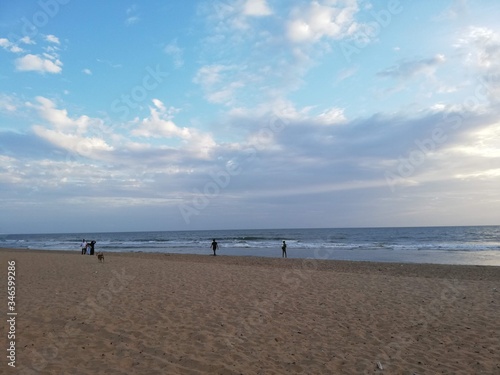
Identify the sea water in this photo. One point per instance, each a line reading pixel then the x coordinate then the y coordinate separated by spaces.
pixel 477 245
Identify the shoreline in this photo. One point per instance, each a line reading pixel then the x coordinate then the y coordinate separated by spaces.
pixel 429 270
pixel 486 258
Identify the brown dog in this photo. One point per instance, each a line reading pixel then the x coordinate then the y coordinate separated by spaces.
pixel 100 257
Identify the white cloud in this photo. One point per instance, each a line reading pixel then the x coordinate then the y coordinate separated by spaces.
pixel 409 68
pixel 159 104
pixel 481 47
pixel 285 109
pixel 210 74
pixel 132 20
pixel 36 63
pixel 176 52
pixel 256 8
pixel 27 40
pixel 285 112
pixel 4 43
pixel 9 46
pixel 491 174
pixel 347 73
pixel 225 95
pixel 220 82
pixel 59 118
pixel 52 39
pixel 332 116
pixel 110 63
pixel 438 107
pixel 82 135
pixel 160 124
pixel 277 108
pixel 85 146
pixel 486 142
pixel 132 17
pixel 315 21
pixel 237 15
pixel 16 49
pixel 253 60
pixel 87 71
pixel 7 103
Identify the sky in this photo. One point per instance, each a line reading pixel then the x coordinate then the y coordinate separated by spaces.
pixel 247 114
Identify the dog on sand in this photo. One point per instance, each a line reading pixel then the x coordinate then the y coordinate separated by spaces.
pixel 100 256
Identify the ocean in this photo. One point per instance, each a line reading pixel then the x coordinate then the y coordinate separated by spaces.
pixel 471 245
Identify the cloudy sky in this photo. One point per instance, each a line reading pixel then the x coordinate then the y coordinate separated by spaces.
pixel 222 114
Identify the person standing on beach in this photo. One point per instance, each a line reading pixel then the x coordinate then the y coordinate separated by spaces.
pixel 214 246
pixel 283 250
pixel 84 246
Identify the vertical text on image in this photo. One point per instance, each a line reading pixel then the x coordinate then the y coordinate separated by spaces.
pixel 11 313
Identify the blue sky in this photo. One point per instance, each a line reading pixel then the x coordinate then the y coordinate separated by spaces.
pixel 163 115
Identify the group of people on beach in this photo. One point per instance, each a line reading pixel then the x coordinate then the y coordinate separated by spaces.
pixel 88 247
pixel 215 246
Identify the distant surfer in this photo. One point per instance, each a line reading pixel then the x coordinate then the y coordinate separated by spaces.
pixel 283 250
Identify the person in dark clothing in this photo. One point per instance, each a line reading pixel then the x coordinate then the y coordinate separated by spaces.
pixel 92 244
pixel 283 250
pixel 214 246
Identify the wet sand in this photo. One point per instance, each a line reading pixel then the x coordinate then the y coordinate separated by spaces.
pixel 140 313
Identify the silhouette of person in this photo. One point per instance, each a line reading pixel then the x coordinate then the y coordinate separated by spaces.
pixel 92 244
pixel 214 246
pixel 283 250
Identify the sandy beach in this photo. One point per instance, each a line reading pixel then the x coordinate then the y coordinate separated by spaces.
pixel 140 313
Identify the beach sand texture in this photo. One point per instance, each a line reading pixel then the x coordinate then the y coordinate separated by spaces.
pixel 142 313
